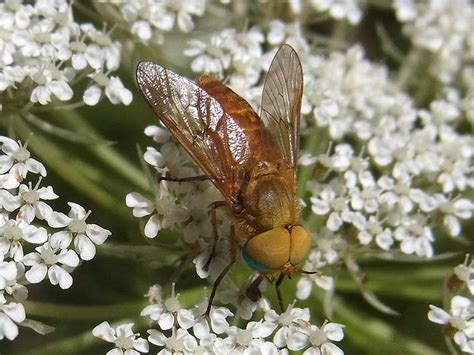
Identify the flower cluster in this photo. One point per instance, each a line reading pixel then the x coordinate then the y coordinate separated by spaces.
pixel 36 242
pixel 180 206
pixel 230 51
pixel 378 196
pixel 349 10
pixel 444 29
pixel 458 322
pixel 43 52
pixel 178 330
pixel 148 20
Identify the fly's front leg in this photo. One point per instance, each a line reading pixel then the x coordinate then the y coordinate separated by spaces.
pixel 277 287
pixel 253 292
pixel 213 206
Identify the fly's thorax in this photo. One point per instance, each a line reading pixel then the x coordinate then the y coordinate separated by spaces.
pixel 270 198
pixel 275 248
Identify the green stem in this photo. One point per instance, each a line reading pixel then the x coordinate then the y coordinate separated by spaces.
pixel 69 169
pixel 66 107
pixel 68 312
pixel 384 338
pixel 408 71
pixel 163 254
pixel 106 153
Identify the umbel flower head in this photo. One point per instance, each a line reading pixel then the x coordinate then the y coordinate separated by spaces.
pixel 34 244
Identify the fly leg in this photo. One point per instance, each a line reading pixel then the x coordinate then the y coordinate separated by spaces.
pixel 233 254
pixel 278 291
pixel 213 206
pixel 185 179
pixel 253 293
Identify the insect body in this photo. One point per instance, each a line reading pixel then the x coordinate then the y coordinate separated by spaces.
pixel 250 158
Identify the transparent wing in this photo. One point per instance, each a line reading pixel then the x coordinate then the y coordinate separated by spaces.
pixel 212 138
pixel 281 102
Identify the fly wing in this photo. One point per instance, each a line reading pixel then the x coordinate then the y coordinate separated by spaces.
pixel 281 103
pixel 212 138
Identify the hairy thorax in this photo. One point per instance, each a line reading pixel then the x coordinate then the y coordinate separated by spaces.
pixel 269 197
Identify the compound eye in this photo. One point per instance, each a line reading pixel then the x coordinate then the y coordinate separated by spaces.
pixel 300 244
pixel 268 250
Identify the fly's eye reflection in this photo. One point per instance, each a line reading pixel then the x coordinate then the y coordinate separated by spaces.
pixel 250 158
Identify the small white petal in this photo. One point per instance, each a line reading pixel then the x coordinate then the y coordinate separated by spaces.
pixel 296 341
pixel 60 240
pixel 15 311
pixel 61 90
pixel 97 234
pixel 69 258
pixel 92 95
pixel 57 275
pixel 331 349
pixel 58 220
pixel 334 221
pixel 8 329
pixel 334 331
pixel 438 315
pixel 104 331
pixel 37 273
pixel 84 247
pixel 152 227
pixel 166 321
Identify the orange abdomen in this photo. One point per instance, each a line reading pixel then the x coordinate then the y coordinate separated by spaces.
pixel 261 143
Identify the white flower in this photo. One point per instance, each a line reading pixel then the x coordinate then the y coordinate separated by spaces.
pixel 182 11
pixel 158 133
pixel 441 27
pixel 329 203
pixel 320 339
pixel 214 57
pixel 17 161
pixel 85 236
pixel 108 52
pixel 245 307
pixel 179 342
pixel 168 312
pixel 216 322
pixel 51 82
pixel 114 90
pixel 8 273
pixel 373 230
pixel 289 333
pixel 10 313
pixel 14 233
pixel 461 208
pixel 460 318
pixel 30 200
pixel 167 215
pixel 465 273
pixel 45 262
pixel 148 19
pixel 13 281
pixel 251 338
pixel 340 9
pixel 415 236
pixel 326 252
pixel 125 341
